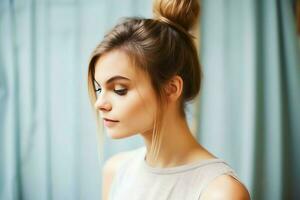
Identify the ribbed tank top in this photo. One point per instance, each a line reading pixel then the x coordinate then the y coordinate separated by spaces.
pixel 137 180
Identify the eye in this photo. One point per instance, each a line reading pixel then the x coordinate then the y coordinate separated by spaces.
pixel 98 90
pixel 121 92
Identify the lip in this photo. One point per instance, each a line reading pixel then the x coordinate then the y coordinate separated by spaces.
pixel 109 123
pixel 111 120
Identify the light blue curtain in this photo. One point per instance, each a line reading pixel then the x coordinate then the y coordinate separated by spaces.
pixel 48 142
pixel 249 111
pixel 250 103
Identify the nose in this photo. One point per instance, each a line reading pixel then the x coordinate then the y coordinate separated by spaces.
pixel 102 105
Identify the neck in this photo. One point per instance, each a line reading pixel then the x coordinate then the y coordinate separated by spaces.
pixel 177 143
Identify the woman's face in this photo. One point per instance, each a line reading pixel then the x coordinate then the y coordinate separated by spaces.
pixel 129 100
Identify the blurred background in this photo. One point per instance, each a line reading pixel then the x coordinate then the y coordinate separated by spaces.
pixel 248 112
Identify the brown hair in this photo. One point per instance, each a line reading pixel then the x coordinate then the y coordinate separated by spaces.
pixel 162 47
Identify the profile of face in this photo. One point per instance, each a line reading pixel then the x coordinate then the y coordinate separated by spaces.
pixel 125 94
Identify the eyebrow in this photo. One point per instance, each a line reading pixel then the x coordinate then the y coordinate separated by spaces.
pixel 114 78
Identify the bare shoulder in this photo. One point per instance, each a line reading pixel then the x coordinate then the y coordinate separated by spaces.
pixel 225 187
pixel 109 169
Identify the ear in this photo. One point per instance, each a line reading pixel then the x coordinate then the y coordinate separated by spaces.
pixel 174 88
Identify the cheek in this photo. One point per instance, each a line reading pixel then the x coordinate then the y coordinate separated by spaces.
pixel 138 112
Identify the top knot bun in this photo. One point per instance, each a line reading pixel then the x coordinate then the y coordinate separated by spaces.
pixel 181 12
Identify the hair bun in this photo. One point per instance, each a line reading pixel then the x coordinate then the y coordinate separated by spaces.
pixel 179 12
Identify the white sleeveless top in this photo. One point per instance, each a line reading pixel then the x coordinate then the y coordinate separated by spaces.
pixel 137 180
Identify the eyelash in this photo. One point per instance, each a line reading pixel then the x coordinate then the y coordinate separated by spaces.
pixel 119 92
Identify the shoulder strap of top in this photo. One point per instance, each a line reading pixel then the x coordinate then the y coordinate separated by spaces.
pixel 224 169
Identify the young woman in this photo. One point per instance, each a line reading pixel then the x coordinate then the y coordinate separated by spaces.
pixel 141 77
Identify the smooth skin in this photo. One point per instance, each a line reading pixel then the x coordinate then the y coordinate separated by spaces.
pixel 135 109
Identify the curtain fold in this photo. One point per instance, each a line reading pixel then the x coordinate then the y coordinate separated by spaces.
pixel 250 102
pixel 248 111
